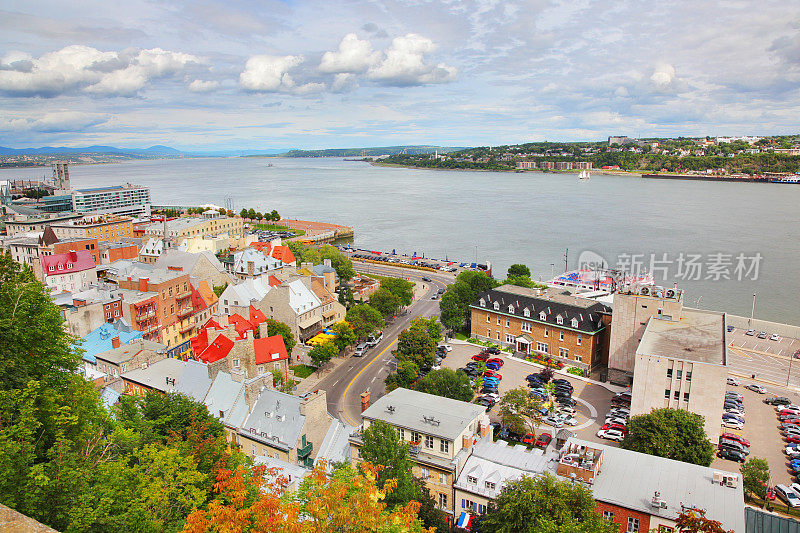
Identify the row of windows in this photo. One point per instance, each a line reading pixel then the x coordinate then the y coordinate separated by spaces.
pixel 525 327
pixel 474 507
pixel 676 395
pixel 444 445
pixel 489 484
pixel 527 313
pixel 679 373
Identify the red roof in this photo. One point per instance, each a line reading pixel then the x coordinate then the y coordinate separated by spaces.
pixel 200 341
pixel 269 349
pixel 219 349
pixel 257 316
pixel 240 324
pixel 76 261
pixel 273 281
pixel 198 303
pixel 283 253
pixel 260 246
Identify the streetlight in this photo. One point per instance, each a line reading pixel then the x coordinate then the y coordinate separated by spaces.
pixel 552 270
pixel 753 310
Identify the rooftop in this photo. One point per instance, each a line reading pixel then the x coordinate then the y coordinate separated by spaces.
pixel 426 413
pixel 698 336
pixel 126 351
pixel 100 339
pixel 275 419
pixel 161 375
pixel 194 381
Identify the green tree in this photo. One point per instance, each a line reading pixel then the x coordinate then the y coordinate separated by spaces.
pixel 341 263
pixel 259 216
pixel 385 302
pixel 519 270
pixel 243 213
pixel 433 327
pixel 219 289
pixel 415 344
pixel 407 373
pixel 345 336
pixel 544 504
pixel 275 327
pixel 673 433
pixel 455 302
pixel 401 288
pixel 323 352
pixel 364 319
pixel 448 383
pixel 251 213
pixel 274 216
pixel 755 476
pixel 383 447
pixel 519 411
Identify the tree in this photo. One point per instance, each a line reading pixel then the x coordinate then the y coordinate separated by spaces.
pixel 279 328
pixel 519 270
pixel 251 213
pixel 755 476
pixel 383 448
pixel 543 504
pixel 364 319
pixel 455 302
pixel 448 383
pixel 415 344
pixel 519 411
pixel 433 326
pixel 695 521
pixel 673 433
pixel 345 336
pixel 340 262
pixel 385 302
pixel 401 288
pixel 407 373
pixel 219 289
pixel 323 352
pixel 274 216
pixel 243 213
pixel 259 216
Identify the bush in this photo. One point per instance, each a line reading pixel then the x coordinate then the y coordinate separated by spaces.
pixel 576 371
pixel 302 371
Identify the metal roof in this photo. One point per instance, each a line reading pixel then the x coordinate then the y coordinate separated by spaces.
pixel 194 381
pixel 426 413
pixel 126 351
pixel 156 375
pixel 275 419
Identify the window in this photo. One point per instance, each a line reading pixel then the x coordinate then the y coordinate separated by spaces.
pixel 488 333
pixel 542 316
pixel 665 529
pixel 546 332
pixel 678 374
pixel 415 437
pixel 444 447
pixel 401 433
pixel 443 479
pixel 666 394
pixel 508 322
pixel 541 347
pixel 574 322
pixel 677 395
pixel 428 441
pixel 689 376
pixel 472 479
pixel 526 327
pixel 578 340
pixel 488 317
pixel 561 335
pixel 509 338
pixel 563 352
pixel 559 319
pixel 526 312
pixel 483 302
pixel 51 268
pixel 685 396
pixel 253 448
pixel 669 373
pixel 497 306
pixel 490 485
pixel 633 525
pixel 608 515
pixel 424 473
pixel 578 357
pixel 498 334
pixel 108 315
pixel 511 309
pixel 443 501
pixel 498 320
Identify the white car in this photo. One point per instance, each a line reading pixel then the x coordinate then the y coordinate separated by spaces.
pixel 611 434
pixel 616 420
pixel 756 388
pixel 792 452
pixel 733 381
pixel 732 423
pixel 446 347
pixel 734 410
pixel 774 337
pixel 567 410
pixel 492 396
pixel 788 495
pixel 569 420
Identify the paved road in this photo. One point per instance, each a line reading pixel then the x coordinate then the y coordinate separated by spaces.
pixel 346 383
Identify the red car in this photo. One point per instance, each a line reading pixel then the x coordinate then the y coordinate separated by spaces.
pixel 786 412
pixel 480 357
pixel 496 360
pixel 794 439
pixel 618 427
pixel 543 440
pixel 528 438
pixel 737 438
pixel 492 374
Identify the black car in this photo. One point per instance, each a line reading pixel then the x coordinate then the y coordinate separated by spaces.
pixel 565 400
pixel 424 278
pixel 486 402
pixel 735 446
pixel 563 388
pixel 489 390
pixel 493 350
pixel 562 380
pixel 778 400
pixel 507 434
pixel 562 394
pixel 744 449
pixel 731 455
pixel 496 427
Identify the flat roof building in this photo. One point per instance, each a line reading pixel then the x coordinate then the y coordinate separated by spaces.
pixel 128 199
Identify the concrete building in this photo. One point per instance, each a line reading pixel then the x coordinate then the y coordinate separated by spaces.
pixel 37 223
pixel 564 165
pixel 440 431
pixel 127 200
pixel 86 310
pixel 61 178
pixel 632 311
pixel 68 272
pixel 207 225
pixel 200 266
pixel 526 165
pixel 681 363
pixel 138 353
pixel 566 328
pixel 24 249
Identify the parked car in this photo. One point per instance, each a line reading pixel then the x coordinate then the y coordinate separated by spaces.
pixel 488 390
pixel 492 374
pixel 491 396
pixel 621 411
pixel 496 427
pixel 736 437
pixel 786 410
pixel 762 335
pixel 566 401
pixel 793 439
pixel 778 400
pixel 788 495
pixel 425 278
pixel 750 332
pixel 733 381
pixel 507 434
pixel 736 395
pixel 566 410
pixel 492 366
pixel 792 451
pixel 774 337
pixel 756 388
pixel 731 455
pixel 553 421
pixel 538 395
pixel 480 357
pixel 732 423
pixel 611 434
pixel 618 427
pixel 730 328
pixel 486 403
pixel 529 438
pixel 374 339
pixel 496 360
pixel 543 440
pixel 494 350
pixel 361 349
pixel 725 443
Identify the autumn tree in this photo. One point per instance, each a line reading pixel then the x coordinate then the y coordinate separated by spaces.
pixel 695 521
pixel 407 372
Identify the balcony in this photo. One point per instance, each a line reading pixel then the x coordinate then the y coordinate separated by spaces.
pixel 183 313
pixel 305 449
pixel 183 296
pixel 184 329
pixel 146 315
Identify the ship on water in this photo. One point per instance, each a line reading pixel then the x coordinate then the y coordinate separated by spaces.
pixel 600 280
pixel 584 175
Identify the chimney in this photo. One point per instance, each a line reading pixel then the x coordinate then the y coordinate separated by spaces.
pixel 467 441
pixel 143 284
pixel 115 342
pixel 251 268
pixel 365 399
pixel 308 266
pixel 73 255
pixel 326 262
pixel 253 388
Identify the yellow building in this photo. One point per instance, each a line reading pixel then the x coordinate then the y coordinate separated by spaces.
pixel 106 228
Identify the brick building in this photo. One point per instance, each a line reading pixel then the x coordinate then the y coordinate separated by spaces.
pixel 567 328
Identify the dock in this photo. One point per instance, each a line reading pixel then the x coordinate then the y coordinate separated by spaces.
pixel 317 232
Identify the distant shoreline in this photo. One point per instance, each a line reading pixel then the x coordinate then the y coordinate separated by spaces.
pixel 636 174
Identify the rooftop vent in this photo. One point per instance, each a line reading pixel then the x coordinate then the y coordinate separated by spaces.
pixel 431 420
pixel 390 409
pixel 657 501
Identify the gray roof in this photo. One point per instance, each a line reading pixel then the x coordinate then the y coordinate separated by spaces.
pixel 185 260
pixel 322 269
pixel 194 382
pixel 335 447
pixel 156 375
pixel 222 396
pixel 275 420
pixel 126 351
pixel 697 336
pixel 630 479
pixel 432 415
pixel 293 473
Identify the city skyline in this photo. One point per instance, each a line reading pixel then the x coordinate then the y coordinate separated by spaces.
pixel 371 73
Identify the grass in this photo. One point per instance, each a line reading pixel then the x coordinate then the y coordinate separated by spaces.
pixel 460 337
pixel 278 227
pixel 302 371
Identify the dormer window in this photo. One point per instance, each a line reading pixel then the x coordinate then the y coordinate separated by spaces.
pixel 483 302
pixel 497 306
pixel 511 309
pixel 69 266
pixel 51 268
pixel 60 266
pixel 472 479
pixel 490 485
pixel 574 322
pixel 526 312
pixel 559 319
pixel 542 316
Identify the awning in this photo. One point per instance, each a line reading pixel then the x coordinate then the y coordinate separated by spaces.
pixel 465 520
pixel 329 314
pixel 305 324
pixel 525 338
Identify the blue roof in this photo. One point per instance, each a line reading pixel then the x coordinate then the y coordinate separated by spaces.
pixel 99 340
pixel 109 397
pixel 106 188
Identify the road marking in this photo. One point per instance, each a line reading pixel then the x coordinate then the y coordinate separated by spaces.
pixel 344 394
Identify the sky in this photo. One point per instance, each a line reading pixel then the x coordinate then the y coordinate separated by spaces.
pixel 257 74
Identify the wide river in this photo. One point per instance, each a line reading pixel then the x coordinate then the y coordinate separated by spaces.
pixel 721 242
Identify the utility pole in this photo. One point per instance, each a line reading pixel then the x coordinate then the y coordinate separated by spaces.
pixel 552 270
pixel 566 263
pixel 753 310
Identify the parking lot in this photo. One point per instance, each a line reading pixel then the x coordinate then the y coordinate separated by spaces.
pixel 594 401
pixel 784 346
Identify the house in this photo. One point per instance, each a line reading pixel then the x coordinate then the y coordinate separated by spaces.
pixel 202 266
pixel 573 330
pixel 86 310
pixel 68 272
pixel 138 353
pixel 440 432
pixel 151 250
pixel 239 297
pixel 108 336
pixel 114 251
pixel 277 251
pixel 251 263
pixel 332 311
pixel 295 305
pixel 160 376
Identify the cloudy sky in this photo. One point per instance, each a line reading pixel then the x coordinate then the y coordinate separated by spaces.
pixel 330 73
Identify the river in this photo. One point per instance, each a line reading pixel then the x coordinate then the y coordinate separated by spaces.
pixel 721 242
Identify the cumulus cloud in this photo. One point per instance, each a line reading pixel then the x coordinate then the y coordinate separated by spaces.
pixel 353 55
pixel 344 82
pixel 267 73
pixel 79 67
pixel 405 64
pixel 55 122
pixel 203 86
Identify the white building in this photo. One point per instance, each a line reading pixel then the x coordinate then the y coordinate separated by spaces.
pixel 69 272
pixel 128 199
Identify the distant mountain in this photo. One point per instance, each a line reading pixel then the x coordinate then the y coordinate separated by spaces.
pixel 371 152
pixel 49 150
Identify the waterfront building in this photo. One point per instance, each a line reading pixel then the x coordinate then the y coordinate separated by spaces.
pixel 566 328
pixel 211 224
pixel 126 200
pixel 37 223
pixel 526 165
pixel 102 228
pixel 584 165
pixel 564 165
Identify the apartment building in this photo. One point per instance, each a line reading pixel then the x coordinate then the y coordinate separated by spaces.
pixel 68 272
pixel 238 298
pixel 38 223
pixel 251 263
pixel 86 310
pixel 103 228
pixel 127 200
pixel 105 337
pixel 294 304
pixel 140 310
pixel 114 251
pixel 211 224
pixel 440 432
pixel 202 266
pixel 566 328
pixel 138 353
pixel 50 244
pixel 526 165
